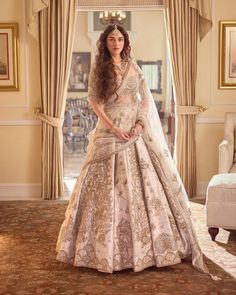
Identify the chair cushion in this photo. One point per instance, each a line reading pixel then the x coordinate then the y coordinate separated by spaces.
pixel 223 180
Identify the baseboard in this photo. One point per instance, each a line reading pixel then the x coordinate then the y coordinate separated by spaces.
pixel 202 188
pixel 20 191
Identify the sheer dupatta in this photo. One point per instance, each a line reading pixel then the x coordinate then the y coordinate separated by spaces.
pixel 167 171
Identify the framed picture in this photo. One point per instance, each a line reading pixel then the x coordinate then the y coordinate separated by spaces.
pixel 152 74
pixel 227 55
pixel 79 71
pixel 9 68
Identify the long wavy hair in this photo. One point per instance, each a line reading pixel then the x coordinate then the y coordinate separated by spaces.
pixel 105 76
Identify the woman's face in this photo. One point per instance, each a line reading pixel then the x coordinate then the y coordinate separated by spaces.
pixel 115 43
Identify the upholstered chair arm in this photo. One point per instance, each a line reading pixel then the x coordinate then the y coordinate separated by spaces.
pixel 225 156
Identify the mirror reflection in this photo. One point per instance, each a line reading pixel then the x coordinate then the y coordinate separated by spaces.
pixel 149 48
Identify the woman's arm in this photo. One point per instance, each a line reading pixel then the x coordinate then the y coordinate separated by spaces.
pixel 99 111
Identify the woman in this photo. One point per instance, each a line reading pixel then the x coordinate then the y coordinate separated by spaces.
pixel 129 208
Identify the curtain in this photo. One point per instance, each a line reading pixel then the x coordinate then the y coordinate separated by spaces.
pixel 33 7
pixel 205 15
pixel 57 27
pixel 118 4
pixel 183 23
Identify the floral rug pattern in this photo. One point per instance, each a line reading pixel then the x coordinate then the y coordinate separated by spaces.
pixel 28 235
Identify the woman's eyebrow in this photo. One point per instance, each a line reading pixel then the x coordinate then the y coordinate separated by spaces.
pixel 111 37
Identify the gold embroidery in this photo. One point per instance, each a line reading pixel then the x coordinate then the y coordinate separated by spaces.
pixel 124 211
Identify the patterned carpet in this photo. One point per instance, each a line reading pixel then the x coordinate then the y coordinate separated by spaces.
pixel 28 233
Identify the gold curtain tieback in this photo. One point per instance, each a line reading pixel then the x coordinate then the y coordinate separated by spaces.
pixel 190 110
pixel 52 121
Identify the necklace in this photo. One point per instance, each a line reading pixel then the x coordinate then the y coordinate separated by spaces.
pixel 120 68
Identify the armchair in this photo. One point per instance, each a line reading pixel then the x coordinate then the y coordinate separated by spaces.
pixel 221 190
pixel 227 148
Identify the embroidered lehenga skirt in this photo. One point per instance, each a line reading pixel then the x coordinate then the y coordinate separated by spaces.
pixel 127 209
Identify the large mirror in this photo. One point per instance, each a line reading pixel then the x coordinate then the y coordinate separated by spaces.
pixel 149 49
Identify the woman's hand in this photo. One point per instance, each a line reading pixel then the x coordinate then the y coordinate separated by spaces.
pixel 121 134
pixel 136 130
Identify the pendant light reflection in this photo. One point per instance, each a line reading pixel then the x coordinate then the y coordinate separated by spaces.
pixel 112 17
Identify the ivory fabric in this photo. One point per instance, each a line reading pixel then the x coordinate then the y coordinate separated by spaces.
pixel 221 197
pixel 182 28
pixel 227 148
pixel 129 208
pixel 204 8
pixel 57 26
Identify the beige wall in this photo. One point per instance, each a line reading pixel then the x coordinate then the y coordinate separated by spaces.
pixel 20 133
pixel 210 123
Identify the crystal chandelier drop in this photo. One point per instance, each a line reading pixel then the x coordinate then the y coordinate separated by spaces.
pixel 112 17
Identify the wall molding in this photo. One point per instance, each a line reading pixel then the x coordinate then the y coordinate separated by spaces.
pixel 20 191
pixel 200 120
pixel 20 122
pixel 208 120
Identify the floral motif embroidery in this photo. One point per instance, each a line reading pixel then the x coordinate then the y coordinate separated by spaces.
pixel 125 209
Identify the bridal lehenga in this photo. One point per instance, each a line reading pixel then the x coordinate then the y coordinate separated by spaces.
pixel 129 208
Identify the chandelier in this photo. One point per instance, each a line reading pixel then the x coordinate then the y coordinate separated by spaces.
pixel 112 17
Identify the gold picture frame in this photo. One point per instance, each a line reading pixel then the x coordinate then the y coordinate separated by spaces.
pixel 227 55
pixel 9 68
